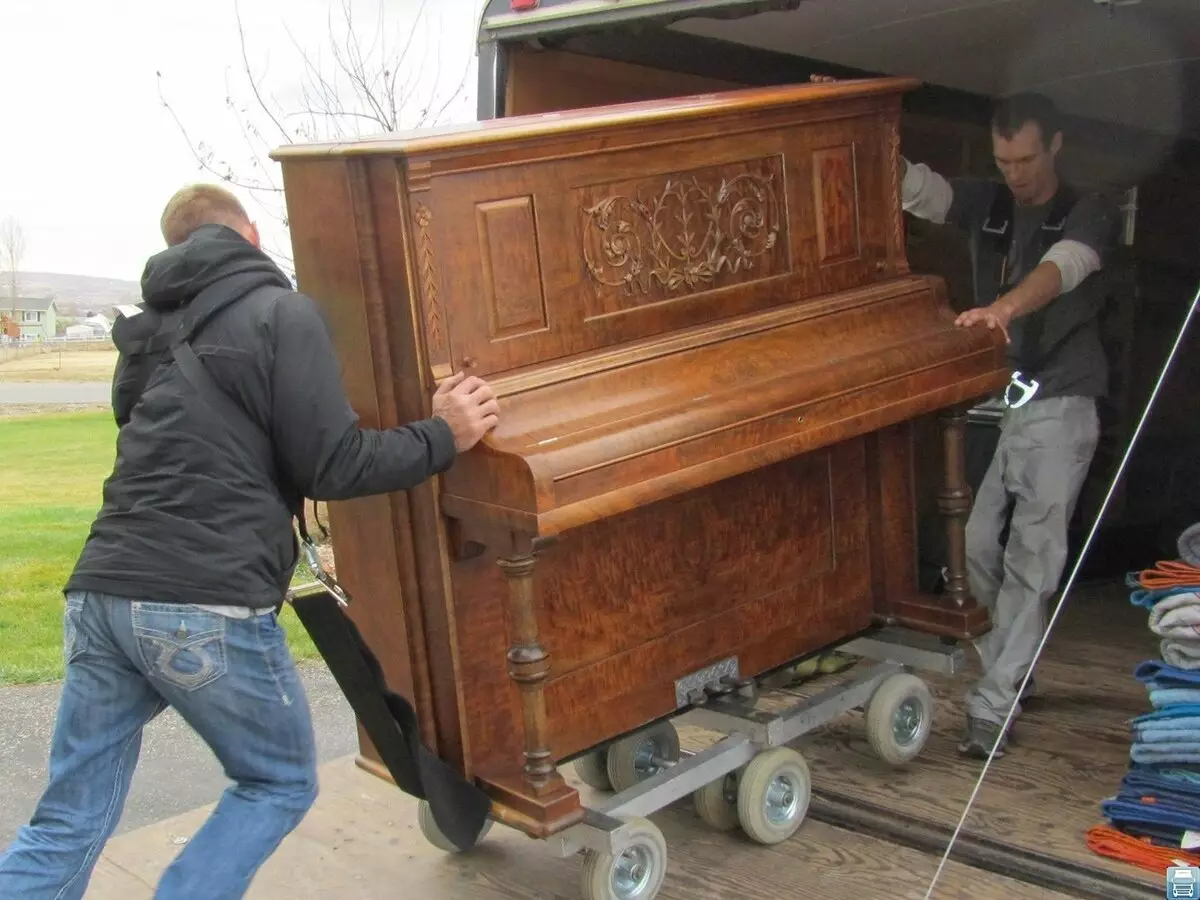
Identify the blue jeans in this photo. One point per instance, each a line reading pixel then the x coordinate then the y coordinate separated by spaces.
pixel 232 680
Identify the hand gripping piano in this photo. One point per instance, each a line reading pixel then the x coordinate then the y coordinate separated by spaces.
pixel 715 369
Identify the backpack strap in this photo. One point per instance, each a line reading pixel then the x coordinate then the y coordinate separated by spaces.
pixel 1032 357
pixel 997 233
pixel 250 436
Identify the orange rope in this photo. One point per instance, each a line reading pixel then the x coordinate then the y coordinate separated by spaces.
pixel 1171 573
pixel 1107 841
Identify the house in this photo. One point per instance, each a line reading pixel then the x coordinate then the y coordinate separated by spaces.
pixel 36 316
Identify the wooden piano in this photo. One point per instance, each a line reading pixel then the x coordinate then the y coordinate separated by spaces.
pixel 710 351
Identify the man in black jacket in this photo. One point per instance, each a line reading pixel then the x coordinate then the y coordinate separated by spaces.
pixel 173 600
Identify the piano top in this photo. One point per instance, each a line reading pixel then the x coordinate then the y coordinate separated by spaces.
pixel 494 133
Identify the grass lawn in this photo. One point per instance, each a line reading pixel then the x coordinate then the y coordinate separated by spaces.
pixel 52 468
pixel 61 365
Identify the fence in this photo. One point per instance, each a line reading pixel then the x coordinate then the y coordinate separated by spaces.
pixel 22 349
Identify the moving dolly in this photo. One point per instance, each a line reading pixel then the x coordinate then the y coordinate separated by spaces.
pixel 748 779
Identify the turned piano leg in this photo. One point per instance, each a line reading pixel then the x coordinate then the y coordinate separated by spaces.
pixel 954 503
pixel 954 613
pixel 529 667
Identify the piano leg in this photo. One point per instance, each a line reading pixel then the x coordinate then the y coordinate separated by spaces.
pixel 956 613
pixel 954 502
pixel 528 666
pixel 538 800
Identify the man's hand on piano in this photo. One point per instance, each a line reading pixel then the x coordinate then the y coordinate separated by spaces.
pixel 994 316
pixel 468 406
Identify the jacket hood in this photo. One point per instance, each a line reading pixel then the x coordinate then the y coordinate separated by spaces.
pixel 175 276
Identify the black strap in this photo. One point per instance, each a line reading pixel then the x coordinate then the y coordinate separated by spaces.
pixel 459 807
pixel 997 231
pixel 251 435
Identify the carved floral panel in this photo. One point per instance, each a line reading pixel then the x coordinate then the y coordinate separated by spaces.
pixel 664 237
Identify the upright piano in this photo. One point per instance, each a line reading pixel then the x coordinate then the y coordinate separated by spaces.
pixel 709 351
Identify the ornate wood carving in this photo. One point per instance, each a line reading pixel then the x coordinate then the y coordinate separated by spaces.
pixel 697 230
pixel 896 210
pixel 435 322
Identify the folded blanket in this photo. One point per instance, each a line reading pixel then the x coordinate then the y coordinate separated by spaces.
pixel 1113 844
pixel 1175 773
pixel 1180 654
pixel 1177 615
pixel 1161 698
pixel 1179 712
pixel 1163 735
pixel 1169 573
pixel 1150 781
pixel 1120 810
pixel 1189 545
pixel 1157 805
pixel 1148 599
pixel 1157 673
pixel 1181 754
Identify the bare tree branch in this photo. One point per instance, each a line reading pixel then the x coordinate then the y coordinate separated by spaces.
pixel 369 86
pixel 12 252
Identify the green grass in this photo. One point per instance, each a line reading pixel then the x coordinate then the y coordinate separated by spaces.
pixel 52 470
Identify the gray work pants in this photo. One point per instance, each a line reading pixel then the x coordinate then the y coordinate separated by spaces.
pixel 1041 460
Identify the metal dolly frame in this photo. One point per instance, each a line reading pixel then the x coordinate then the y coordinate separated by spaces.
pixel 625 855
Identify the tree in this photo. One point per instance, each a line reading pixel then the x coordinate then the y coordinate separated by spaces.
pixel 12 251
pixel 370 87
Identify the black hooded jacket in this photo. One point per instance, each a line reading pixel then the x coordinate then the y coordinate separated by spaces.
pixel 189 516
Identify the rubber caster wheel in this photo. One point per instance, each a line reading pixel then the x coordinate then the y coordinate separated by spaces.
pixel 716 802
pixel 593 770
pixel 433 833
pixel 642 755
pixel 773 795
pixel 636 873
pixel 899 719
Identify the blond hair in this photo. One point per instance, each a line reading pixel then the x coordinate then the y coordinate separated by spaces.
pixel 200 204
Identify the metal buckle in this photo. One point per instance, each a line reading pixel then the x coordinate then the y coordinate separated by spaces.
pixel 314 564
pixel 1027 388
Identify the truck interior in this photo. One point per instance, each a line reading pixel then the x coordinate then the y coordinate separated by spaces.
pixel 1126 73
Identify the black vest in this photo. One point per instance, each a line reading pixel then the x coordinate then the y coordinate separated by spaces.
pixel 995 244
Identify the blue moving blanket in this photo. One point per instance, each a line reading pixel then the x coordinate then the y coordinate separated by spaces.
pixel 1154 673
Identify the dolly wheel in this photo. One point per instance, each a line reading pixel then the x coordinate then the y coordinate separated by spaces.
pixel 773 795
pixel 433 833
pixel 643 755
pixel 593 770
pixel 636 873
pixel 899 718
pixel 716 802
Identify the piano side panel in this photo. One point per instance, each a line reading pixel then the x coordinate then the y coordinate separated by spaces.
pixel 333 233
pixel 556 257
pixel 767 566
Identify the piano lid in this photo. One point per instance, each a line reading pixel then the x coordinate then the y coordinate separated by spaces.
pixel 590 438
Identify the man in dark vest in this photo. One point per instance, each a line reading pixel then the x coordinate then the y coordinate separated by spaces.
pixel 1036 246
pixel 174 597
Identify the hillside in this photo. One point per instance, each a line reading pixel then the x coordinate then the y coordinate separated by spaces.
pixel 77 295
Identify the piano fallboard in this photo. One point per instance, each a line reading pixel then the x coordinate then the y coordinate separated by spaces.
pixel 595 437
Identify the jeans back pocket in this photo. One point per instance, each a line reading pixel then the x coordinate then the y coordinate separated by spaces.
pixel 181 645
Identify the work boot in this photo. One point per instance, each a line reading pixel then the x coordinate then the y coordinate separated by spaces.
pixel 1030 692
pixel 980 736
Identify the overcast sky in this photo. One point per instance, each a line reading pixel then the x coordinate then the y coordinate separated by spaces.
pixel 89 156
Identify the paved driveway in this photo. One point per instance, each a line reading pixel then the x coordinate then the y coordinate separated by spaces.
pixel 54 393
pixel 177 772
